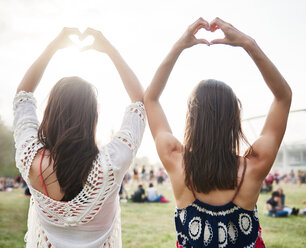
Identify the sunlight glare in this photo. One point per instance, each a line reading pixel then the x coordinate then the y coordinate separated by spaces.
pixel 209 36
pixel 81 43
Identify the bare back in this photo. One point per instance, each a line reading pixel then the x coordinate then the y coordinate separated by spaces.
pixel 246 197
pixel 52 186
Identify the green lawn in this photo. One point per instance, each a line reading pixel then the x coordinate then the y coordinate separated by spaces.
pixel 152 224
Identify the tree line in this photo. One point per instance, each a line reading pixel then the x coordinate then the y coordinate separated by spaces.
pixel 7 152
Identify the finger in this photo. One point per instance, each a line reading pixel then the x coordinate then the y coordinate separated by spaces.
pixel 89 47
pixel 218 41
pixel 213 28
pixel 202 41
pixel 198 28
pixel 216 23
pixel 200 23
pixel 71 31
pixel 89 31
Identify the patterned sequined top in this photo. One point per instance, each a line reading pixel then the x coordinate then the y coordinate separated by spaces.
pixel 202 225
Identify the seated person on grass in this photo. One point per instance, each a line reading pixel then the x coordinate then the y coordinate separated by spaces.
pixel 152 195
pixel 139 194
pixel 274 206
pixel 293 211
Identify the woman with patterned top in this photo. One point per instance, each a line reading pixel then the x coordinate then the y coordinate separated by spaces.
pixel 216 190
pixel 74 184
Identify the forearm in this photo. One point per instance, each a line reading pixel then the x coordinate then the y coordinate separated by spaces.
pixel 162 74
pixel 275 81
pixel 35 72
pixel 128 77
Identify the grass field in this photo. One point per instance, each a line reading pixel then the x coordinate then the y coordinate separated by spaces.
pixel 152 224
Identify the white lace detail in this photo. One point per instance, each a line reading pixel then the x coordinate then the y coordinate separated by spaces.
pixel 23 96
pixel 35 236
pixel 125 136
pixel 30 122
pixel 212 213
pixel 25 155
pixel 137 108
pixel 84 207
pixel 101 185
pixel 114 238
pixel 126 139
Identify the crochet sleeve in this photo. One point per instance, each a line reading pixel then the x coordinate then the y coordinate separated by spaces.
pixel 123 147
pixel 25 129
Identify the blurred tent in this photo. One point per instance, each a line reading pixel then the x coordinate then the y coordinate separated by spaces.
pixel 292 153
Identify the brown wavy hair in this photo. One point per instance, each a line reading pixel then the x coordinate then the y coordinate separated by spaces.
pixel 68 132
pixel 212 137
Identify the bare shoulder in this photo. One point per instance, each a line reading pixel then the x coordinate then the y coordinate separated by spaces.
pixel 170 151
pixel 251 185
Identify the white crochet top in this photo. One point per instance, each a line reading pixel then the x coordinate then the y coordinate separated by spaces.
pixel 92 218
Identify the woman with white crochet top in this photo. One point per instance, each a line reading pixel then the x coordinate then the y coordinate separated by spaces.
pixel 74 184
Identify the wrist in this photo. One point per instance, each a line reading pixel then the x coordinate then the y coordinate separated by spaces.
pixel 51 48
pixel 111 51
pixel 178 47
pixel 249 44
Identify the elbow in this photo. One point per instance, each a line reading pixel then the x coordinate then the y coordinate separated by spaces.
pixel 288 94
pixel 285 96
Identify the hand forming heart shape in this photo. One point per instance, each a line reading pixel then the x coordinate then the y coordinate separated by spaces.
pixel 206 31
pixel 202 33
pixel 82 41
pixel 232 36
pixel 89 39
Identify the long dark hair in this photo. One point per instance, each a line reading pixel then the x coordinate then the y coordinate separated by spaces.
pixel 68 132
pixel 212 137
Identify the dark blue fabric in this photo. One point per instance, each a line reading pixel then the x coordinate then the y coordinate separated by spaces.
pixel 203 225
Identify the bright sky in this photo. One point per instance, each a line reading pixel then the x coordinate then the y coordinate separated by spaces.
pixel 143 32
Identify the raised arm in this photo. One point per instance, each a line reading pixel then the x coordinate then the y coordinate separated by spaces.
pixel 266 146
pixel 165 142
pixel 32 77
pixel 129 79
